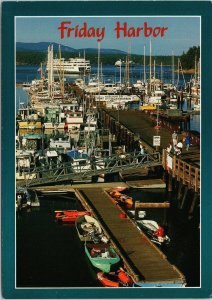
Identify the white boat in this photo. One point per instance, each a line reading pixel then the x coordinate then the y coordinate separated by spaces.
pixel 89 229
pixel 154 231
pixel 75 65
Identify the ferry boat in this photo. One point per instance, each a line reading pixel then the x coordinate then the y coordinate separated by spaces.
pixel 75 65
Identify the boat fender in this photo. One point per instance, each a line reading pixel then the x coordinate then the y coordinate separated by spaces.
pixel 123 277
pixel 159 232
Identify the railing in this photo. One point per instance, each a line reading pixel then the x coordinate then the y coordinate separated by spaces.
pixel 65 171
pixel 182 170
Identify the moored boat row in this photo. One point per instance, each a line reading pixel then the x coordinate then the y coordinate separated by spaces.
pixel 98 248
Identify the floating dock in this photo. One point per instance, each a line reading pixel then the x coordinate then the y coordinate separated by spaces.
pixel 146 264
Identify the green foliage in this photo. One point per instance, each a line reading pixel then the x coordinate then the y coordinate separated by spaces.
pixel 188 59
pixel 30 57
pixel 35 58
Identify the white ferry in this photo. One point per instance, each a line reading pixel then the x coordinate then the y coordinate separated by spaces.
pixel 71 66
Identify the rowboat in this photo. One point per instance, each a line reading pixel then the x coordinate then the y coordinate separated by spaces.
pixel 89 229
pixel 102 256
pixel 115 279
pixel 69 216
pixel 154 231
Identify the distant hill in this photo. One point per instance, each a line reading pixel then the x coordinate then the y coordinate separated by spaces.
pixel 43 46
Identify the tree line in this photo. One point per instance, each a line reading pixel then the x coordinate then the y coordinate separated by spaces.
pixel 187 59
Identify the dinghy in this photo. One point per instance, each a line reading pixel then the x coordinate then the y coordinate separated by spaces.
pixel 115 279
pixel 89 229
pixel 69 216
pixel 102 256
pixel 154 231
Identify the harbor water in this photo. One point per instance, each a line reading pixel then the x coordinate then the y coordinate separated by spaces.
pixel 43 243
pixel 111 73
pixel 49 254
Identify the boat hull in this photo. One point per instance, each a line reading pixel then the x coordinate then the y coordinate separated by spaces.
pixel 103 263
pixel 69 216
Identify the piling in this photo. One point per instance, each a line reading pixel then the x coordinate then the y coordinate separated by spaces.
pixel 170 187
pixel 181 204
pixel 193 204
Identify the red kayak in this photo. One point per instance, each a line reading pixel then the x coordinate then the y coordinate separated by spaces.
pixel 69 216
pixel 115 279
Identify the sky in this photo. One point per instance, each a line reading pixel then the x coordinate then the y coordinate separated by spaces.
pixel 182 33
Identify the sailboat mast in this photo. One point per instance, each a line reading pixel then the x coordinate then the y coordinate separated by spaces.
pixel 172 67
pixel 154 75
pixel 178 72
pixel 144 64
pixel 61 74
pixel 98 69
pixel 195 69
pixel 150 66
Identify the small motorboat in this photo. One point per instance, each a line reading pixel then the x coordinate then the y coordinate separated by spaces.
pixel 122 198
pixel 89 229
pixel 115 279
pixel 26 198
pixel 69 216
pixel 154 231
pixel 102 256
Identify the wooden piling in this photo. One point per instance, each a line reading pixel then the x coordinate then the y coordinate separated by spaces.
pixel 193 204
pixel 169 182
pixel 181 205
pixel 179 194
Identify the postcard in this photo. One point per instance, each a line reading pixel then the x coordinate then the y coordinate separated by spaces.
pixel 103 155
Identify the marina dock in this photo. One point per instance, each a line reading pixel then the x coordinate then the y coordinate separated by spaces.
pixel 144 261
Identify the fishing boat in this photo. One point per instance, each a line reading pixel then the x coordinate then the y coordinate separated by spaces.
pixel 69 216
pixel 89 229
pixel 102 256
pixel 115 279
pixel 154 231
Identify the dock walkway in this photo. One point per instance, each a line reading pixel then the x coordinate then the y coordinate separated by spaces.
pixel 141 125
pixel 147 263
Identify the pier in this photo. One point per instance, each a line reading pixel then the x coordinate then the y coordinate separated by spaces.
pixel 180 172
pixel 146 264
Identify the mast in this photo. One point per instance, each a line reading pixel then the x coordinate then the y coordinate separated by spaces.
pixel 150 66
pixel 48 65
pixel 195 69
pixel 154 75
pixel 61 74
pixel 52 73
pixel 144 64
pixel 161 74
pixel 178 71
pixel 173 67
pixel 98 69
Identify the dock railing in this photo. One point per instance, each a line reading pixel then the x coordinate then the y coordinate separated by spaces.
pixel 181 170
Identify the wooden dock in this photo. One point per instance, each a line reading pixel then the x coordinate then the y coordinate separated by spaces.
pixel 135 126
pixel 145 262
